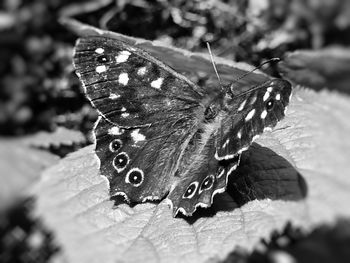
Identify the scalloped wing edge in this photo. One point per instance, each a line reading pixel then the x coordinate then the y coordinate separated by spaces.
pixel 217 191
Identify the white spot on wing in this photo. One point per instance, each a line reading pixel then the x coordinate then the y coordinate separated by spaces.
pixel 141 71
pixel 115 131
pixel 137 136
pixel 122 56
pixel 241 107
pixel 123 109
pixel 99 50
pixel 263 114
pixel 123 78
pixel 100 69
pixel 157 83
pixel 278 96
pixel 250 115
pixel 114 96
pixel 125 114
pixel 269 89
pixel 225 144
pixel 252 100
pixel 221 173
pixel 239 134
pixel 266 95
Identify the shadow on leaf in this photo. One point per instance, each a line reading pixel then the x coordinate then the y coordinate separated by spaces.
pixel 261 174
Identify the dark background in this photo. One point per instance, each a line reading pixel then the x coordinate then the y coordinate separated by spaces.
pixel 39 91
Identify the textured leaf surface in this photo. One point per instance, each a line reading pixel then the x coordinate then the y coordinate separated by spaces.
pixel 311 145
pixel 313 140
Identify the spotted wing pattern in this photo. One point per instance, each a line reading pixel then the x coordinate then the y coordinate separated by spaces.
pixel 148 114
pixel 201 181
pixel 161 135
pixel 250 115
pixel 234 129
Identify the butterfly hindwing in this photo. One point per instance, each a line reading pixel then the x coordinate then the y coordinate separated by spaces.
pixel 201 181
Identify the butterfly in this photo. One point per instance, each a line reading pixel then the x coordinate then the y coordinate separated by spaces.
pixel 159 135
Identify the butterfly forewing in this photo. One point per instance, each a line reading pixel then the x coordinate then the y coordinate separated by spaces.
pixel 128 86
pixel 250 115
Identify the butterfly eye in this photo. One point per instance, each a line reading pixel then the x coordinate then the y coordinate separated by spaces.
pixel 115 145
pixel 191 190
pixel 134 177
pixel 269 104
pixel 121 161
pixel 102 59
pixel 207 183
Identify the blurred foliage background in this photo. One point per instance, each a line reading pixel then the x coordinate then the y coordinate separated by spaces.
pixel 39 91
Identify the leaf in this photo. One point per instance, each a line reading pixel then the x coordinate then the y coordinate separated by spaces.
pixel 20 167
pixel 318 69
pixel 61 136
pixel 74 199
pixel 313 138
pixel 21 162
pixel 325 243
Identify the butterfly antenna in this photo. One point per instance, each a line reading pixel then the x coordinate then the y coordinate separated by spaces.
pixel 249 72
pixel 213 62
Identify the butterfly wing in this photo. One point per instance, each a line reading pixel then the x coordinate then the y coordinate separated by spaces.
pixel 148 115
pixel 128 86
pixel 201 181
pixel 245 117
pixel 250 115
pixel 151 117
